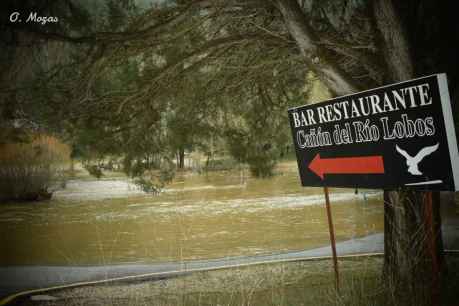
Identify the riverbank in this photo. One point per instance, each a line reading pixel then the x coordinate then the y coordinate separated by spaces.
pixel 292 283
pixel 21 278
pixel 298 283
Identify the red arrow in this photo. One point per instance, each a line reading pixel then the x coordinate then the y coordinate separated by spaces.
pixel 347 165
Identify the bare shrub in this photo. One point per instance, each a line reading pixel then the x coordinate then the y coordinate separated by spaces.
pixel 32 170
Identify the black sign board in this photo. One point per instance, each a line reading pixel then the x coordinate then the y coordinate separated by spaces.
pixel 393 136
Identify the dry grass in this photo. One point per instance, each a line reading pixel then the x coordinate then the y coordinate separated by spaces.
pixel 30 170
pixel 283 284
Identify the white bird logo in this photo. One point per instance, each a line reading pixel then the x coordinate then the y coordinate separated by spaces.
pixel 412 162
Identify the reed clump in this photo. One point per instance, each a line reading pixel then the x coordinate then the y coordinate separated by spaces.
pixel 31 171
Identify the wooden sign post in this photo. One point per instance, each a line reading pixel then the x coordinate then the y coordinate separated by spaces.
pixel 332 238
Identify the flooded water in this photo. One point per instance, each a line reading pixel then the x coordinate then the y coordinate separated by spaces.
pixel 214 215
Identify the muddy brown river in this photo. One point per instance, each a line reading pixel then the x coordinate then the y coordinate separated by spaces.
pixel 213 215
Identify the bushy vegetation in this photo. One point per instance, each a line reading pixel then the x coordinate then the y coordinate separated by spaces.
pixel 32 170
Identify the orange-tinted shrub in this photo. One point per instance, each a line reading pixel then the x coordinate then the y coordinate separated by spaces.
pixel 29 171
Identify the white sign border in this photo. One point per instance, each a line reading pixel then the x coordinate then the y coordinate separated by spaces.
pixel 449 126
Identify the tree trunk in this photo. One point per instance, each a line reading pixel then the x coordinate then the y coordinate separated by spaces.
pixel 409 259
pixel 181 155
pixel 337 81
pixel 72 165
pixel 411 262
